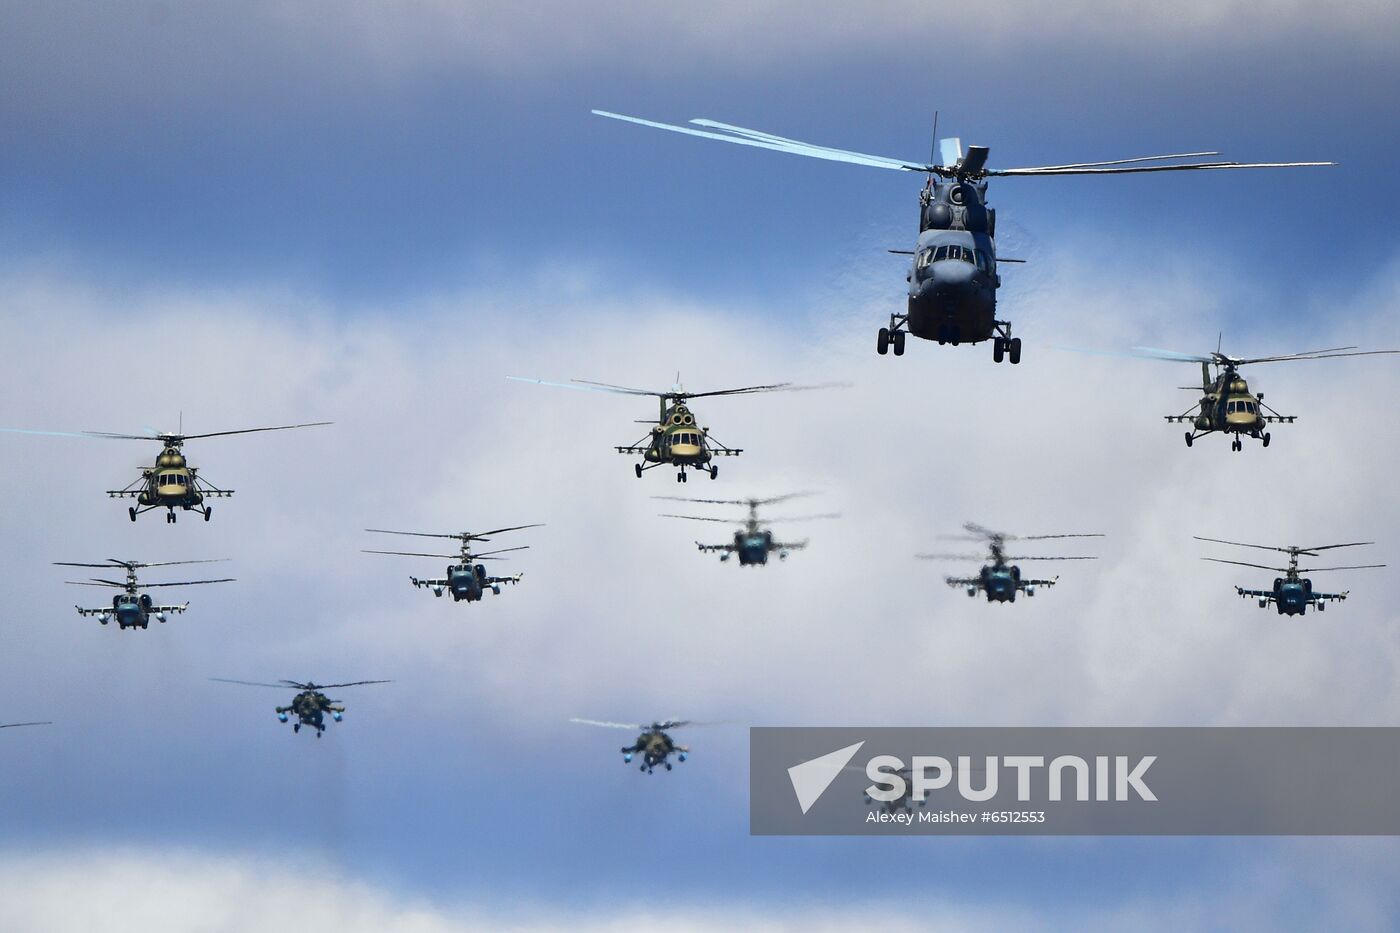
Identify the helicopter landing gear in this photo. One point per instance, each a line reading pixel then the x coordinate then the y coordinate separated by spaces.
pixel 638 468
pixel 208 511
pixel 1266 438
pixel 892 336
pixel 1004 345
pixel 680 477
pixel 170 517
pixel 1237 445
pixel 714 471
pixel 1190 438
pixel 131 512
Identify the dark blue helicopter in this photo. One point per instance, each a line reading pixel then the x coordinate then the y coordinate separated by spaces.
pixel 132 608
pixel 753 543
pixel 1000 579
pixel 1292 593
pixel 953 279
pixel 465 578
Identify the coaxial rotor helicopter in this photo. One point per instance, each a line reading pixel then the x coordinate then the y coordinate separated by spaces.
pixel 171 483
pixel 310 705
pixel 754 542
pixel 676 438
pixel 132 608
pixel 1001 579
pixel 465 578
pixel 653 743
pixel 1227 405
pixel 953 278
pixel 1292 593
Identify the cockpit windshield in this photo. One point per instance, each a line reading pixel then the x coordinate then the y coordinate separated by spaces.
pixel 978 257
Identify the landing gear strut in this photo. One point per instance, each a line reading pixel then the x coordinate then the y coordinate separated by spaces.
pixel 1005 345
pixel 891 336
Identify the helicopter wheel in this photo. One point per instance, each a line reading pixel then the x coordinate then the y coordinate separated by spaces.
pixel 1237 446
pixel 1190 439
pixel 638 468
pixel 882 341
pixel 132 512
pixel 1014 350
pixel 898 338
pixel 1266 439
pixel 998 349
pixel 714 472
pixel 208 512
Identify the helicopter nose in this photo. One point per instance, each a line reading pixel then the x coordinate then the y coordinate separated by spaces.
pixel 949 279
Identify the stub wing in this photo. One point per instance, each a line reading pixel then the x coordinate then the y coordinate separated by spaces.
pixel 780 546
pixel 715 548
pixel 960 582
pixel 431 584
pixel 1025 583
pixel 513 578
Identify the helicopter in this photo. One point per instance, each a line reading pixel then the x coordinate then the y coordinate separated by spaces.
pixel 753 543
pixel 1292 593
pixel 1227 405
pixel 676 438
pixel 131 608
pixel 1000 580
pixel 653 744
pixel 171 483
pixel 310 705
pixel 953 277
pixel 465 578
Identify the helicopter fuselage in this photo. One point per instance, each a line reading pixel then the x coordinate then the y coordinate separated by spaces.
pixel 466 581
pixel 953 277
pixel 655 747
pixel 310 708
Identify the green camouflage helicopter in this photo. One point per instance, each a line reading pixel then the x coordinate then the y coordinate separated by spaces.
pixel 310 705
pixel 677 437
pixel 171 483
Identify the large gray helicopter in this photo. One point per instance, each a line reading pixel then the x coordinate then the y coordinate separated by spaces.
pixel 1000 579
pixel 953 278
pixel 754 542
pixel 132 608
pixel 465 578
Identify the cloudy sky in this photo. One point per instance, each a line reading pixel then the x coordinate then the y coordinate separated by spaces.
pixel 371 214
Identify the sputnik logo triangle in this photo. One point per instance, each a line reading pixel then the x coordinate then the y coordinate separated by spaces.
pixel 810 779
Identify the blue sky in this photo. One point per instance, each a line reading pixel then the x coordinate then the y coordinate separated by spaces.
pixel 371 218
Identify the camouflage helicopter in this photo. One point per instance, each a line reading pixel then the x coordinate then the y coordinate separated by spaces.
pixel 1000 580
pixel 1292 593
pixel 132 608
pixel 1227 405
pixel 310 705
pixel 465 578
pixel 171 483
pixel 754 542
pixel 676 438
pixel 653 743
pixel 953 278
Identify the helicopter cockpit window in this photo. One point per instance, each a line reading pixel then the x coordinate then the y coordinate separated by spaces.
pixel 925 258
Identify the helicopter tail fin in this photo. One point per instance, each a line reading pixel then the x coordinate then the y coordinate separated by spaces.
pixel 1205 378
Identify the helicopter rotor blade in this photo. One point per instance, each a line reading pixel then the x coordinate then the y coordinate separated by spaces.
pixel 759 140
pixel 1029 557
pixel 700 518
pixel 778 387
pixel 353 683
pixel 1329 547
pixel 1315 355
pixel 1240 563
pixel 95 582
pixel 1189 166
pixel 584 384
pixel 416 534
pixel 1159 158
pixel 16 725
pixel 280 427
pixel 523 547
pixel 804 518
pixel 1153 353
pixel 411 554
pixel 148 586
pixel 950 556
pixel 1262 547
pixel 86 434
pixel 1351 567
pixel 608 725
pixel 1050 537
pixel 250 683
